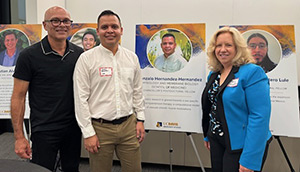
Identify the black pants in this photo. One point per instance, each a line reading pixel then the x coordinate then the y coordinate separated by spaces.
pixel 222 159
pixel 46 144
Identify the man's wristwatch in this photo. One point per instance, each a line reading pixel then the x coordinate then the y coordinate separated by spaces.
pixel 139 120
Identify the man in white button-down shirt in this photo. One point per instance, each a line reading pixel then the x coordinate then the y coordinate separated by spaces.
pixel 169 61
pixel 109 102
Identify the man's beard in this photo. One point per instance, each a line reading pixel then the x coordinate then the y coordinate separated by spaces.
pixel 258 58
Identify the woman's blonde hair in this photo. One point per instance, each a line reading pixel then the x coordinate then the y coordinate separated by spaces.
pixel 243 55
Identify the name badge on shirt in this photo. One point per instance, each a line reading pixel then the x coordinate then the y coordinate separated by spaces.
pixel 233 83
pixel 106 71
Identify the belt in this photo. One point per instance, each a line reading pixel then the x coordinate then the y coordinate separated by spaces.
pixel 114 122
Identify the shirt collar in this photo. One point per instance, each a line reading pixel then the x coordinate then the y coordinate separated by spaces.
pixel 108 51
pixel 48 50
pixel 13 56
pixel 170 56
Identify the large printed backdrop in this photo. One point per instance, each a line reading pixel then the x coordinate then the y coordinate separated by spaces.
pixel 283 77
pixel 78 30
pixel 26 34
pixel 172 98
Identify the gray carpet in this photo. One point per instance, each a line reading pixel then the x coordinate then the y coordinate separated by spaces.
pixel 7 152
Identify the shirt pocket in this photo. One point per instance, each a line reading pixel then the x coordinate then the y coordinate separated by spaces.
pixel 127 76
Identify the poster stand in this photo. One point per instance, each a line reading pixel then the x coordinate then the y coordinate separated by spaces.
pixel 170 151
pixel 284 153
pixel 196 151
pixel 27 137
pixel 25 133
pixel 194 147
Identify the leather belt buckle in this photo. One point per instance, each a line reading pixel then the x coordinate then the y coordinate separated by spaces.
pixel 114 122
pixel 120 120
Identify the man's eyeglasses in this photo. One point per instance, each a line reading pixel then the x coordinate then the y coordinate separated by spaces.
pixel 260 46
pixel 57 22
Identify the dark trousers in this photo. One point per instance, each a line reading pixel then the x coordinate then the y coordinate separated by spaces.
pixel 222 159
pixel 46 144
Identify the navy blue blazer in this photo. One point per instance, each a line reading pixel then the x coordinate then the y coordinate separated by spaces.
pixel 2 53
pixel 244 107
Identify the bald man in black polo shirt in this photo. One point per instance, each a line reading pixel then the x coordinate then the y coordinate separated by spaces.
pixel 45 70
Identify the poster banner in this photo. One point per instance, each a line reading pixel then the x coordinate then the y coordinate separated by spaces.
pixel 14 38
pixel 172 58
pixel 273 48
pixel 84 35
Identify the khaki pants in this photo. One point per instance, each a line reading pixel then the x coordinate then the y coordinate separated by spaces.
pixel 120 138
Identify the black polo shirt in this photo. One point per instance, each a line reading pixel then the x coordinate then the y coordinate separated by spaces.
pixel 50 80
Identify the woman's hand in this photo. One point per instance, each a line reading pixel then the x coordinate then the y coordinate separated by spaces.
pixel 207 145
pixel 244 169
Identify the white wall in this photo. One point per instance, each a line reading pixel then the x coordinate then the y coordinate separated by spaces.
pixel 35 10
pixel 211 12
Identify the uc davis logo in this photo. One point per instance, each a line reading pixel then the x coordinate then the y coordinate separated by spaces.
pixel 159 124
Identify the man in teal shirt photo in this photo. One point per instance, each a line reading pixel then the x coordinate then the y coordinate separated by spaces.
pixel 170 61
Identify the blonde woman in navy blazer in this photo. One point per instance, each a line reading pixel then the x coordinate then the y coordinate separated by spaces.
pixel 236 105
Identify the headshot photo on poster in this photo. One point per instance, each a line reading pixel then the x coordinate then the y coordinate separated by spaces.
pixel 86 38
pixel 13 41
pixel 264 47
pixel 169 50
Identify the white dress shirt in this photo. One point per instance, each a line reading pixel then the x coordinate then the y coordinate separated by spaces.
pixel 107 86
pixel 173 63
pixel 9 61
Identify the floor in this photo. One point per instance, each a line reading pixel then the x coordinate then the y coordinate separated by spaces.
pixel 7 152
